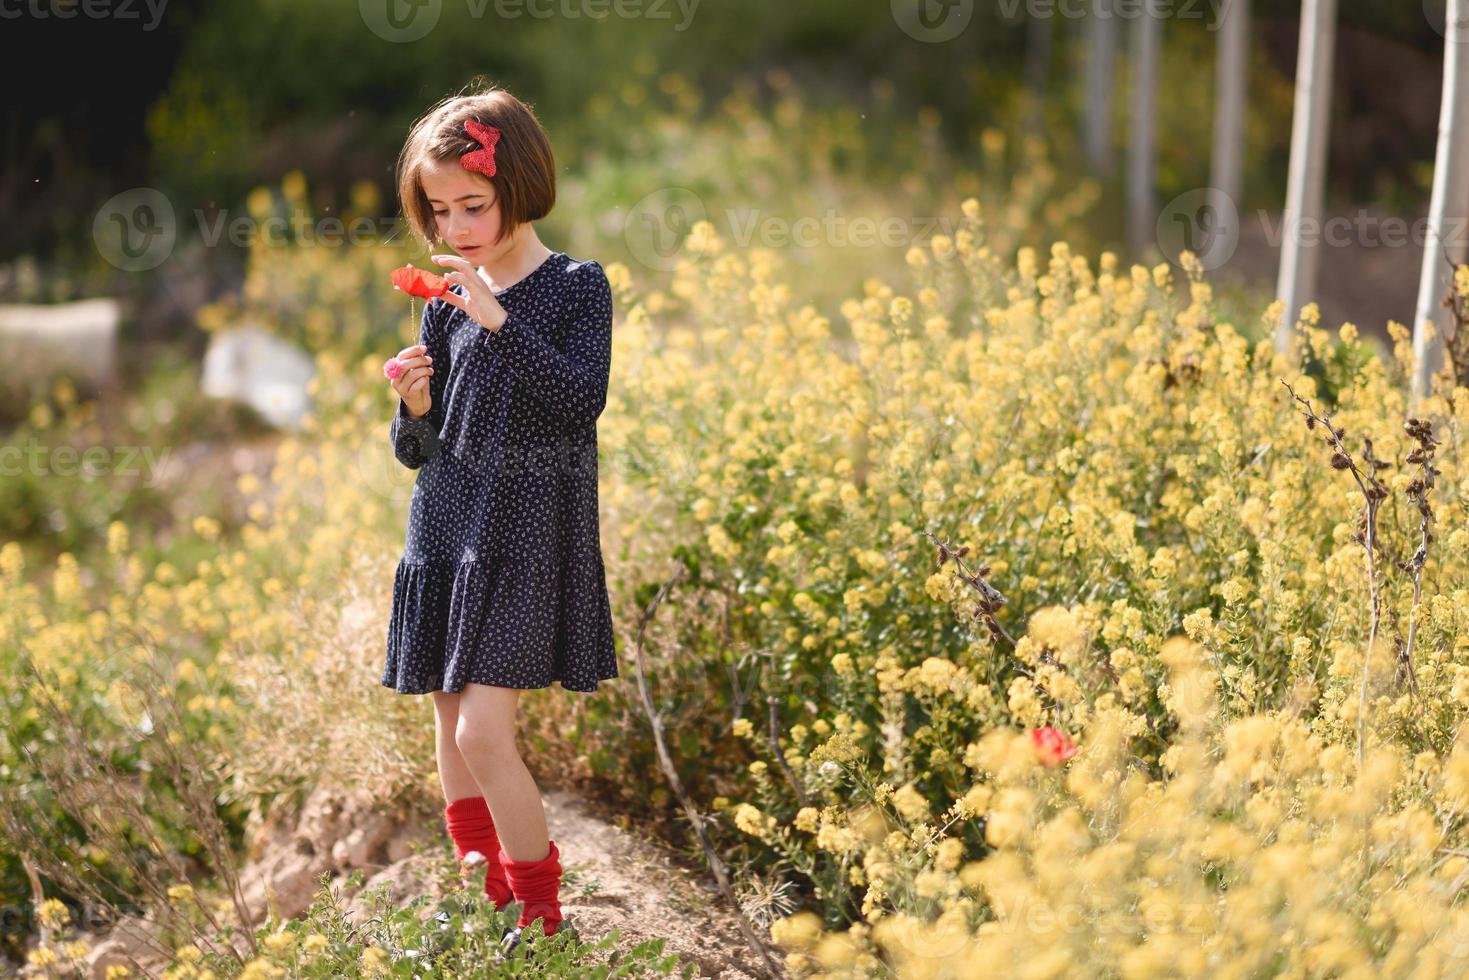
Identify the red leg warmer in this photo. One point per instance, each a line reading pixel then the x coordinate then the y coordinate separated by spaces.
pixel 472 829
pixel 537 884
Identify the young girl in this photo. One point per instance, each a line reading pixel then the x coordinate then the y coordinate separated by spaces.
pixel 501 587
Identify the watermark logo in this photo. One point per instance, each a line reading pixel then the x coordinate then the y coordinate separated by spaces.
pixel 932 21
pixel 656 227
pixel 1453 938
pixel 1204 221
pixel 400 21
pixel 135 230
pixel 379 470
pixel 1436 12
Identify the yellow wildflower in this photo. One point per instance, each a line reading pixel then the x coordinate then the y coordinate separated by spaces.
pixel 43 957
pixel 750 819
pixel 911 803
pixel 798 931
pixel 53 913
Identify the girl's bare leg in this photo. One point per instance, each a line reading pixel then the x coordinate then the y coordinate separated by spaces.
pixel 485 737
pixel 454 775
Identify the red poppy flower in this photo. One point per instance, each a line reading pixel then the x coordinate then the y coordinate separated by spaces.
pixel 1052 747
pixel 419 282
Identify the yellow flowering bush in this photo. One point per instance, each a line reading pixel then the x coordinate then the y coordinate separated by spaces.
pixel 1191 600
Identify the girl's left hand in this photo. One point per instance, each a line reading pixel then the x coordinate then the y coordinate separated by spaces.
pixel 481 304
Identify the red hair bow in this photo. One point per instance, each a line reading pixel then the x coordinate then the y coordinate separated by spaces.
pixel 482 160
pixel 419 282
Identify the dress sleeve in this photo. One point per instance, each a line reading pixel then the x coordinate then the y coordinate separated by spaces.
pixel 416 440
pixel 572 382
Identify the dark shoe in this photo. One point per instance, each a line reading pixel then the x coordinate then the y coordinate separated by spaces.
pixel 508 944
pixel 512 938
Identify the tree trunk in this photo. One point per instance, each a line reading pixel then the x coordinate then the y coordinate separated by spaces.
pixel 1142 163
pixel 1101 53
pixel 1310 131
pixel 1231 83
pixel 1037 68
pixel 1448 210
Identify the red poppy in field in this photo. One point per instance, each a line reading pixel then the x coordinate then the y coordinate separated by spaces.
pixel 419 282
pixel 1052 747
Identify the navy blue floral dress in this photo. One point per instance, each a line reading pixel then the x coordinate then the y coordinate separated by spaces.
pixel 501 580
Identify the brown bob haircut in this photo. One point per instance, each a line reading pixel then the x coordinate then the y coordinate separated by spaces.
pixel 525 168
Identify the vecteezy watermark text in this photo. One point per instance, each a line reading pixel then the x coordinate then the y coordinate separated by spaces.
pixel 1214 10
pixel 657 228
pixel 90 463
pixel 832 229
pixel 243 230
pixel 1364 229
pixel 89 9
pixel 936 21
pixel 404 21
pixel 137 229
pixel 1207 222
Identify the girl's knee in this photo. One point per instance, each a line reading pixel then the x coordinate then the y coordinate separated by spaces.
pixel 485 723
pixel 484 738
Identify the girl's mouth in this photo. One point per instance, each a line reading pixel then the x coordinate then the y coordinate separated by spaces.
pixel 468 249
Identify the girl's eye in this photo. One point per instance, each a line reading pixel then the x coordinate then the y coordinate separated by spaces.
pixel 439 214
pixel 476 209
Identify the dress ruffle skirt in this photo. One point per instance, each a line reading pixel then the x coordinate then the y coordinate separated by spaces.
pixel 498 622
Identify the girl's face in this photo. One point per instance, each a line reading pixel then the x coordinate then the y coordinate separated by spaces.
pixel 466 211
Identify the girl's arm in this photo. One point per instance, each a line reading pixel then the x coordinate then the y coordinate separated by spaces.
pixel 416 439
pixel 572 383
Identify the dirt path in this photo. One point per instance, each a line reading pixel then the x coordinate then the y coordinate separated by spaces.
pixel 612 878
pixel 642 891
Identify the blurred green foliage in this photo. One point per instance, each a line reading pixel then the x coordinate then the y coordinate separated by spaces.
pixel 213 138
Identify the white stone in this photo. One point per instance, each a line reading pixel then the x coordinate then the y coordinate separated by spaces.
pixel 251 365
pixel 79 337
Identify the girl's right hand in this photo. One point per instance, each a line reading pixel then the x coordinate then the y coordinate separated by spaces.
pixel 412 384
